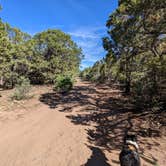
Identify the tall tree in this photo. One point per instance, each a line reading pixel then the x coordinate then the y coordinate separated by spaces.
pixel 40 58
pixel 135 30
pixel 136 48
pixel 59 54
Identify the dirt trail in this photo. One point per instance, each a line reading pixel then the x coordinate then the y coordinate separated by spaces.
pixel 76 129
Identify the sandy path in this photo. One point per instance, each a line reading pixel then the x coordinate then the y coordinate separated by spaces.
pixel 63 130
pixel 42 138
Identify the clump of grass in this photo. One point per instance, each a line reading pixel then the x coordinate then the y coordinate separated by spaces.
pixel 22 89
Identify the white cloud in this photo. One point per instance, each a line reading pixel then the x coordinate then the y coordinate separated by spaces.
pixel 84 65
pixel 88 32
pixel 90 40
pixel 83 35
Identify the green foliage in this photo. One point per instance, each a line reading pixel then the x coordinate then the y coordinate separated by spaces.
pixel 39 58
pixel 85 74
pixel 58 54
pixel 63 83
pixel 22 89
pixel 136 50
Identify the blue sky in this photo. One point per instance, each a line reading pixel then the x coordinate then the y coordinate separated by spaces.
pixel 84 20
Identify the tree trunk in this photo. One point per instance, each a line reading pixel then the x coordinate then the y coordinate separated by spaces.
pixel 127 87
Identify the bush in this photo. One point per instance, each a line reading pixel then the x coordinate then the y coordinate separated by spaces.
pixel 63 84
pixel 22 89
pixel 36 77
pixel 9 80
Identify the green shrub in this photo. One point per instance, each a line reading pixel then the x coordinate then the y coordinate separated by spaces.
pixel 22 89
pixel 9 80
pixel 63 84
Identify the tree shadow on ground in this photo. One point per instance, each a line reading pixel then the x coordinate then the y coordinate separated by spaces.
pixel 111 114
pixel 75 96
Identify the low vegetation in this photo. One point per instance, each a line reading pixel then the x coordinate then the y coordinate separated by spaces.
pixel 22 89
pixel 63 84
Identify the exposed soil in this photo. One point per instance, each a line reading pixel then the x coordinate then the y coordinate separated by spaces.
pixel 82 128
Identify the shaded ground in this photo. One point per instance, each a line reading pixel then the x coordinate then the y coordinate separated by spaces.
pixel 84 127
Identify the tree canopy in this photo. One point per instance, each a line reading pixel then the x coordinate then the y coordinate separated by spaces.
pixel 136 49
pixel 41 57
